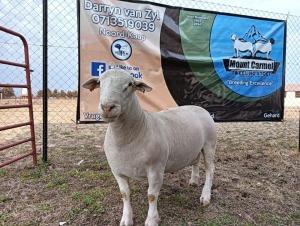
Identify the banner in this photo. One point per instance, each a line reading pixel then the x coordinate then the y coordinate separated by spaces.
pixel 231 65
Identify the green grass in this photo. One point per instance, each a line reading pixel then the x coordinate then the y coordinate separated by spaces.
pixel 5 217
pixel 294 216
pixel 37 174
pixel 2 172
pixel 179 200
pixel 46 207
pixel 92 201
pixel 223 220
pixel 58 181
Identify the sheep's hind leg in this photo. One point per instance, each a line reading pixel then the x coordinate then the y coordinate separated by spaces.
pixel 195 172
pixel 155 180
pixel 209 156
pixel 127 217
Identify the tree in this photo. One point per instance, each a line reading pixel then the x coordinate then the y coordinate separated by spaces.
pixel 75 93
pixel 40 93
pixel 55 93
pixel 49 92
pixel 72 94
pixel 7 92
pixel 69 94
pixel 63 94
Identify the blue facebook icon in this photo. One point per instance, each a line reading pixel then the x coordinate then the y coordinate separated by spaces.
pixel 98 68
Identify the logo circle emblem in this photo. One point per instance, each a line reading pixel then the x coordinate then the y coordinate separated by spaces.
pixel 121 49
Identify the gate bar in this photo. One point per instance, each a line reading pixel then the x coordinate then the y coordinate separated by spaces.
pixel 12 63
pixel 16 159
pixel 14 126
pixel 29 105
pixel 15 106
pixel 15 144
pixel 14 85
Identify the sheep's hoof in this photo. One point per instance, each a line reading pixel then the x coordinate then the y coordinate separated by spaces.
pixel 193 183
pixel 204 201
pixel 126 222
pixel 152 221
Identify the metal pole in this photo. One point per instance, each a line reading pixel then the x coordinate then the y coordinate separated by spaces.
pixel 45 80
pixel 299 133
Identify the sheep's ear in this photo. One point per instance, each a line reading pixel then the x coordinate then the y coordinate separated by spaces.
pixel 141 86
pixel 91 84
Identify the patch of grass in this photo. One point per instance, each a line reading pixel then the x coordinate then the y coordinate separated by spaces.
pixel 37 174
pixel 272 219
pixel 222 220
pixel 93 201
pixel 5 218
pixel 67 134
pixel 59 181
pixel 70 149
pixel 106 175
pixel 46 207
pixel 294 216
pixel 34 174
pixel 104 165
pixel 178 199
pixel 2 172
pixel 4 198
pixel 74 212
pixel 91 175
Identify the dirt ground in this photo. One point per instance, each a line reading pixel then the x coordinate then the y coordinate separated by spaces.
pixel 257 181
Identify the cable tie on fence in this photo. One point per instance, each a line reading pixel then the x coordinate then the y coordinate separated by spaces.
pixel 287 16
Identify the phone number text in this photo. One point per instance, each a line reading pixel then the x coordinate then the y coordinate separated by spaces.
pixel 121 22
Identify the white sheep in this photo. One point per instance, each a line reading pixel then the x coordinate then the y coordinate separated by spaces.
pixel 141 144
pixel 241 45
pixel 264 47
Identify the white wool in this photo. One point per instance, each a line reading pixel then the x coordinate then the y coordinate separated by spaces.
pixel 140 144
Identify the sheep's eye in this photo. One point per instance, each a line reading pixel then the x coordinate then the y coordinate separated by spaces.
pixel 129 84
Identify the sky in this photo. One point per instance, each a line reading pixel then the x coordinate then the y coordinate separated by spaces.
pixel 278 6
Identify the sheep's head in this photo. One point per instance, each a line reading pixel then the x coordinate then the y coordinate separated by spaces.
pixel 116 88
pixel 233 37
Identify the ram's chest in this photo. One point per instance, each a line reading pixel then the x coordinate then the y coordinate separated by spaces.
pixel 126 160
pixel 134 159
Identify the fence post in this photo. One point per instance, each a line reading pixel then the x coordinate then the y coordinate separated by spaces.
pixel 45 80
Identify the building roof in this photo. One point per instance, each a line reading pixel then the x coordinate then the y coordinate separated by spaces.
pixel 292 87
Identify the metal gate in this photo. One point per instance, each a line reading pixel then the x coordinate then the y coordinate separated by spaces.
pixel 28 105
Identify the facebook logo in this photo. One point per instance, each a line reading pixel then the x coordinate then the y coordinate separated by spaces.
pixel 98 68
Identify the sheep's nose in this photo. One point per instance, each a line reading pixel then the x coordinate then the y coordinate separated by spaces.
pixel 107 107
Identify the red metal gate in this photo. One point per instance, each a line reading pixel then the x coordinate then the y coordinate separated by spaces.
pixel 28 105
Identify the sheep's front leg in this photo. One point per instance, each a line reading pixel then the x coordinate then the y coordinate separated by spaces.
pixel 236 52
pixel 127 217
pixel 155 180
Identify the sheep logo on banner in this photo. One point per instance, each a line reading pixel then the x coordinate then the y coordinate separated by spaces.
pixel 252 42
pixel 121 49
pixel 251 53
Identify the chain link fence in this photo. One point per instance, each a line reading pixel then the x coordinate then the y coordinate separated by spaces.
pixel 25 17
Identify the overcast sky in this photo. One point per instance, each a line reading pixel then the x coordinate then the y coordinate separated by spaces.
pixel 277 6
pixel 25 16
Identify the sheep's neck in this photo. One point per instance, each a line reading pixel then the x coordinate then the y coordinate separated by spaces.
pixel 130 123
